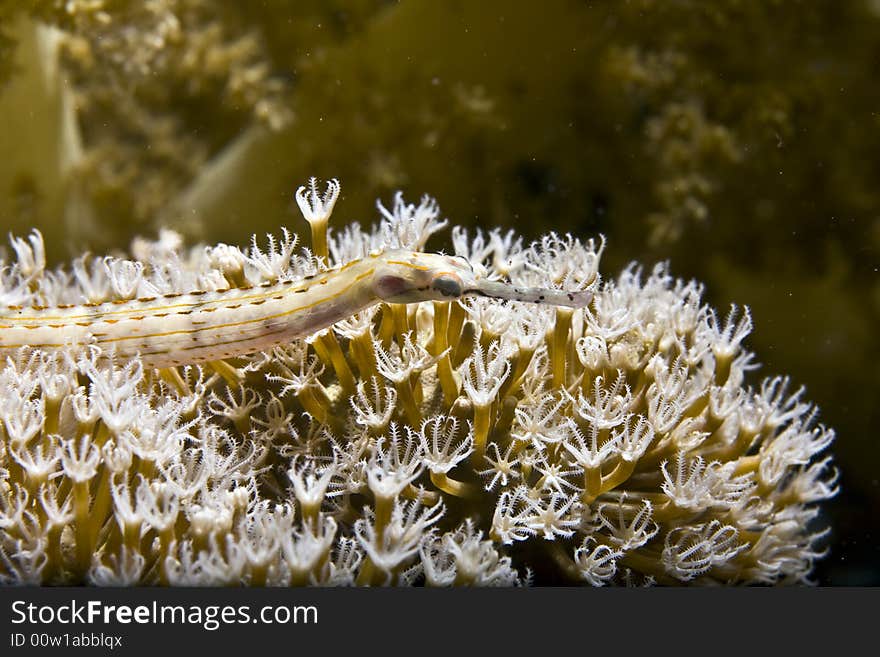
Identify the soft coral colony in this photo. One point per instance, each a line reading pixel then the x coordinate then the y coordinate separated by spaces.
pixel 466 442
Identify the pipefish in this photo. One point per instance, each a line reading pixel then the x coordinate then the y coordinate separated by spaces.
pixel 199 326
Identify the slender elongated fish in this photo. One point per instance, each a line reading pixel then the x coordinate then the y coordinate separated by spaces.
pixel 178 329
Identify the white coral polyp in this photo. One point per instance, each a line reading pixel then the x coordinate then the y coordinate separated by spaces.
pixel 624 442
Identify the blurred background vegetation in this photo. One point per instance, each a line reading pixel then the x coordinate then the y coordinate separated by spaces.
pixel 738 139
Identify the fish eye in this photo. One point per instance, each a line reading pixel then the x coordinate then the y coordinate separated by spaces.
pixel 447 285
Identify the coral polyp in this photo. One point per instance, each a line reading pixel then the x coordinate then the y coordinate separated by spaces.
pixel 477 441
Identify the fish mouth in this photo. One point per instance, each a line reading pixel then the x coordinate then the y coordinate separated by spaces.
pixel 505 291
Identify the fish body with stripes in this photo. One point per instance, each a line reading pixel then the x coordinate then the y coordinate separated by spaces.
pixel 199 326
